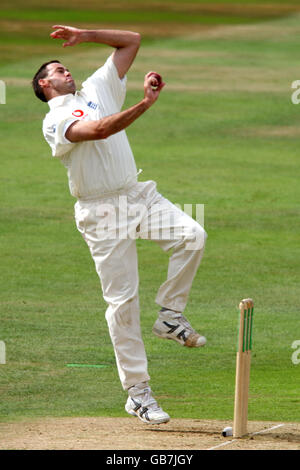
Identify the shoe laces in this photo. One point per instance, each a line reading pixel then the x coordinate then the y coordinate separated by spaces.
pixel 147 399
pixel 184 322
pixel 149 402
pixel 181 320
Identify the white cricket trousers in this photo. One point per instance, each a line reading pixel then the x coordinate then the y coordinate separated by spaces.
pixel 110 226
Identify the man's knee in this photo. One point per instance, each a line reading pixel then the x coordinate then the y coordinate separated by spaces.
pixel 123 313
pixel 195 237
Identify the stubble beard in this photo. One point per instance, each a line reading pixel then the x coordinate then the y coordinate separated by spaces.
pixel 64 88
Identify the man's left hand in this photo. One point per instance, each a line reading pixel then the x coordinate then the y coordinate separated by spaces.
pixel 72 35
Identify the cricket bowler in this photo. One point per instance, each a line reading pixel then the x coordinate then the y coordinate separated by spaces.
pixel 86 132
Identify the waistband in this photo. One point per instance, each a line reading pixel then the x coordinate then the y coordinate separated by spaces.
pixel 130 183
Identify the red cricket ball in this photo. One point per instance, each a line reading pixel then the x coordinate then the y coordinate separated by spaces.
pixel 155 80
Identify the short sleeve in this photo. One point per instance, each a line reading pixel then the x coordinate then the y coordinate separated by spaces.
pixel 106 80
pixel 54 134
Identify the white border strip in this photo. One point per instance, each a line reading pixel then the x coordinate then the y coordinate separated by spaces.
pixel 251 434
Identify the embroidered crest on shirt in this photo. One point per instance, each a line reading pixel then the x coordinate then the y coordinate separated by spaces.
pixel 92 105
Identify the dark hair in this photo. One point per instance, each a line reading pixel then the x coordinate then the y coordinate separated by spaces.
pixel 41 73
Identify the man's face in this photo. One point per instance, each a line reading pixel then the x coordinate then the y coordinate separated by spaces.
pixel 59 79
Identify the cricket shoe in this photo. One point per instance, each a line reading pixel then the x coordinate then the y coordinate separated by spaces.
pixel 173 325
pixel 141 403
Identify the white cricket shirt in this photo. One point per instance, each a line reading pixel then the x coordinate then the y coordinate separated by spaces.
pixel 94 167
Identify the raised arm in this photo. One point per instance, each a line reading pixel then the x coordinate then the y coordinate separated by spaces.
pixel 81 131
pixel 126 43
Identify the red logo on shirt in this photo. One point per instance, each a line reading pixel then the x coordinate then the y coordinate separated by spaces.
pixel 78 113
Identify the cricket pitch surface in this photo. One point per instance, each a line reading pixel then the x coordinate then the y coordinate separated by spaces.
pixel 103 433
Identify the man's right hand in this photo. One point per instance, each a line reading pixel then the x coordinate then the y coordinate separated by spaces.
pixel 150 94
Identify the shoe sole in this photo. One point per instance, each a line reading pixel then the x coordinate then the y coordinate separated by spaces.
pixel 158 421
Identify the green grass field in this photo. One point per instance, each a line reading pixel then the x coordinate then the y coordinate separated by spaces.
pixel 224 133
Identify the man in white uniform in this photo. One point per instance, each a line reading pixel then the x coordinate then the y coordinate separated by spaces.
pixel 85 130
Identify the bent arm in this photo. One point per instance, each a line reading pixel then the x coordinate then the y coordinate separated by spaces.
pixel 126 43
pixel 80 131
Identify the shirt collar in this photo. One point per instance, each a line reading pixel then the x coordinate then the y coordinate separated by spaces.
pixel 59 100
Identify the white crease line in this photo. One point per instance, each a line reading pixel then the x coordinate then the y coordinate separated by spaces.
pixel 251 434
pixel 266 430
pixel 223 444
